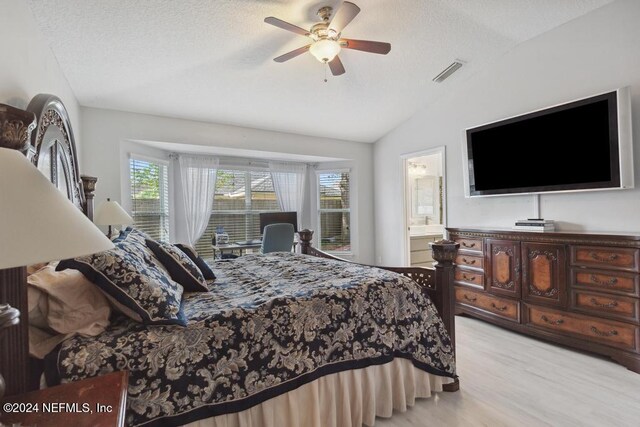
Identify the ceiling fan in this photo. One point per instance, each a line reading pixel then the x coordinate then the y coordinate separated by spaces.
pixel 327 42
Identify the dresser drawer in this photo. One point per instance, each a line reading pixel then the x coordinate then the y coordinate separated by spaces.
pixel 469 277
pixel 607 332
pixel 605 281
pixel 603 257
pixel 470 261
pixel 606 305
pixel 474 245
pixel 502 307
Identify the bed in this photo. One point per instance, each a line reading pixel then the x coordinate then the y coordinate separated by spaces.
pixel 277 339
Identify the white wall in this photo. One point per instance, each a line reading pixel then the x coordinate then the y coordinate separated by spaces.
pixel 27 65
pixel 107 136
pixel 595 53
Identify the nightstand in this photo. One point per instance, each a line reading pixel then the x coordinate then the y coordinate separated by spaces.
pixel 96 402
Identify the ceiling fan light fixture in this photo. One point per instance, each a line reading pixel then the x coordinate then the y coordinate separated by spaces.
pixel 326 37
pixel 325 50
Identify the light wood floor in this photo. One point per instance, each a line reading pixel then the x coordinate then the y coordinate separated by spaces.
pixel 508 379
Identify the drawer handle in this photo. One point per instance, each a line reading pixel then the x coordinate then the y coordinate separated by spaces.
pixel 552 322
pixel 470 279
pixel 599 333
pixel 499 308
pixel 597 257
pixel 610 305
pixel 610 282
pixel 466 261
pixel 466 245
pixel 472 299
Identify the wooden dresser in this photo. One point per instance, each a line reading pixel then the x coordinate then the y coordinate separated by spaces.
pixel 576 289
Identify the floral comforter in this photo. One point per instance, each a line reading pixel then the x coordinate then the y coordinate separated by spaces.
pixel 269 324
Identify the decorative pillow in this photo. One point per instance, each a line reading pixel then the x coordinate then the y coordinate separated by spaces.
pixel 135 237
pixel 131 278
pixel 62 304
pixel 202 265
pixel 179 265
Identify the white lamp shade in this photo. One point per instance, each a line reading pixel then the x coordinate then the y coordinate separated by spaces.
pixel 325 50
pixel 37 222
pixel 111 213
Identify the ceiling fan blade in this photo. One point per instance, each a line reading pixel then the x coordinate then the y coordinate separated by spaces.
pixel 343 16
pixel 366 46
pixel 286 26
pixel 336 67
pixel 292 54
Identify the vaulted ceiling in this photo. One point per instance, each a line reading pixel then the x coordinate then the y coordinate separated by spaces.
pixel 211 60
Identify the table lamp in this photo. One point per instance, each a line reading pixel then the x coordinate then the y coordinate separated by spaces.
pixel 37 224
pixel 111 213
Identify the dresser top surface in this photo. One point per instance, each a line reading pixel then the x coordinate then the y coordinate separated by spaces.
pixel 558 234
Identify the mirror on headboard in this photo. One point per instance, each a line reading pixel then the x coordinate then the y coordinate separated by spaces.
pixel 55 164
pixel 52 147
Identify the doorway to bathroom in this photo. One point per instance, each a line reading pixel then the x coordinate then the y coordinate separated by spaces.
pixel 424 204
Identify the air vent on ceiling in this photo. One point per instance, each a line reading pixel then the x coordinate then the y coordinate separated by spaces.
pixel 455 66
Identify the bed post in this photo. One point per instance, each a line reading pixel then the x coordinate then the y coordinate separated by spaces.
pixel 89 188
pixel 15 132
pixel 444 252
pixel 305 237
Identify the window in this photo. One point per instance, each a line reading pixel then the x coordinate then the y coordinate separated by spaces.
pixel 240 197
pixel 150 196
pixel 333 211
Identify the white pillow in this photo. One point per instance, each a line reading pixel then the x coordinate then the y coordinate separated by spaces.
pixel 61 304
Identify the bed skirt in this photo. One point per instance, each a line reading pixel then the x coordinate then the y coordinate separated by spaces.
pixel 343 399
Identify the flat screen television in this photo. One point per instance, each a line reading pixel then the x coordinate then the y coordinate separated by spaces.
pixel 267 218
pixel 577 146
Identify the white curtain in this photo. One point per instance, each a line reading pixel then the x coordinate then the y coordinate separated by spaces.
pixel 198 176
pixel 288 183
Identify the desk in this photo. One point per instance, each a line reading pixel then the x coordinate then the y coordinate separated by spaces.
pixel 234 247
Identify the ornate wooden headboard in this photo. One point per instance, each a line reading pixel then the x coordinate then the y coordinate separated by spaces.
pixel 43 133
pixel 53 150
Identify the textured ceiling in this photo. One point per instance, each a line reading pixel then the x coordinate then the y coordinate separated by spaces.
pixel 211 60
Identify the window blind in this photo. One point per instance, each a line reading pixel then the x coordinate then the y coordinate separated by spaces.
pixel 334 211
pixel 240 197
pixel 150 196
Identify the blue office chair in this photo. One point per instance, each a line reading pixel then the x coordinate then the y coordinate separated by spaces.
pixel 277 238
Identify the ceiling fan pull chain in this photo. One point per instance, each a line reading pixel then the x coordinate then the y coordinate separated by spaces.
pixel 325 72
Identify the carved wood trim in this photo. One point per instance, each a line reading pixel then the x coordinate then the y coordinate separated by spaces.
pixel 550 293
pixel 506 250
pixel 532 288
pixel 506 285
pixel 54 130
pixel 551 237
pixel 515 269
pixel 536 253
pixel 15 128
pixel 89 188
